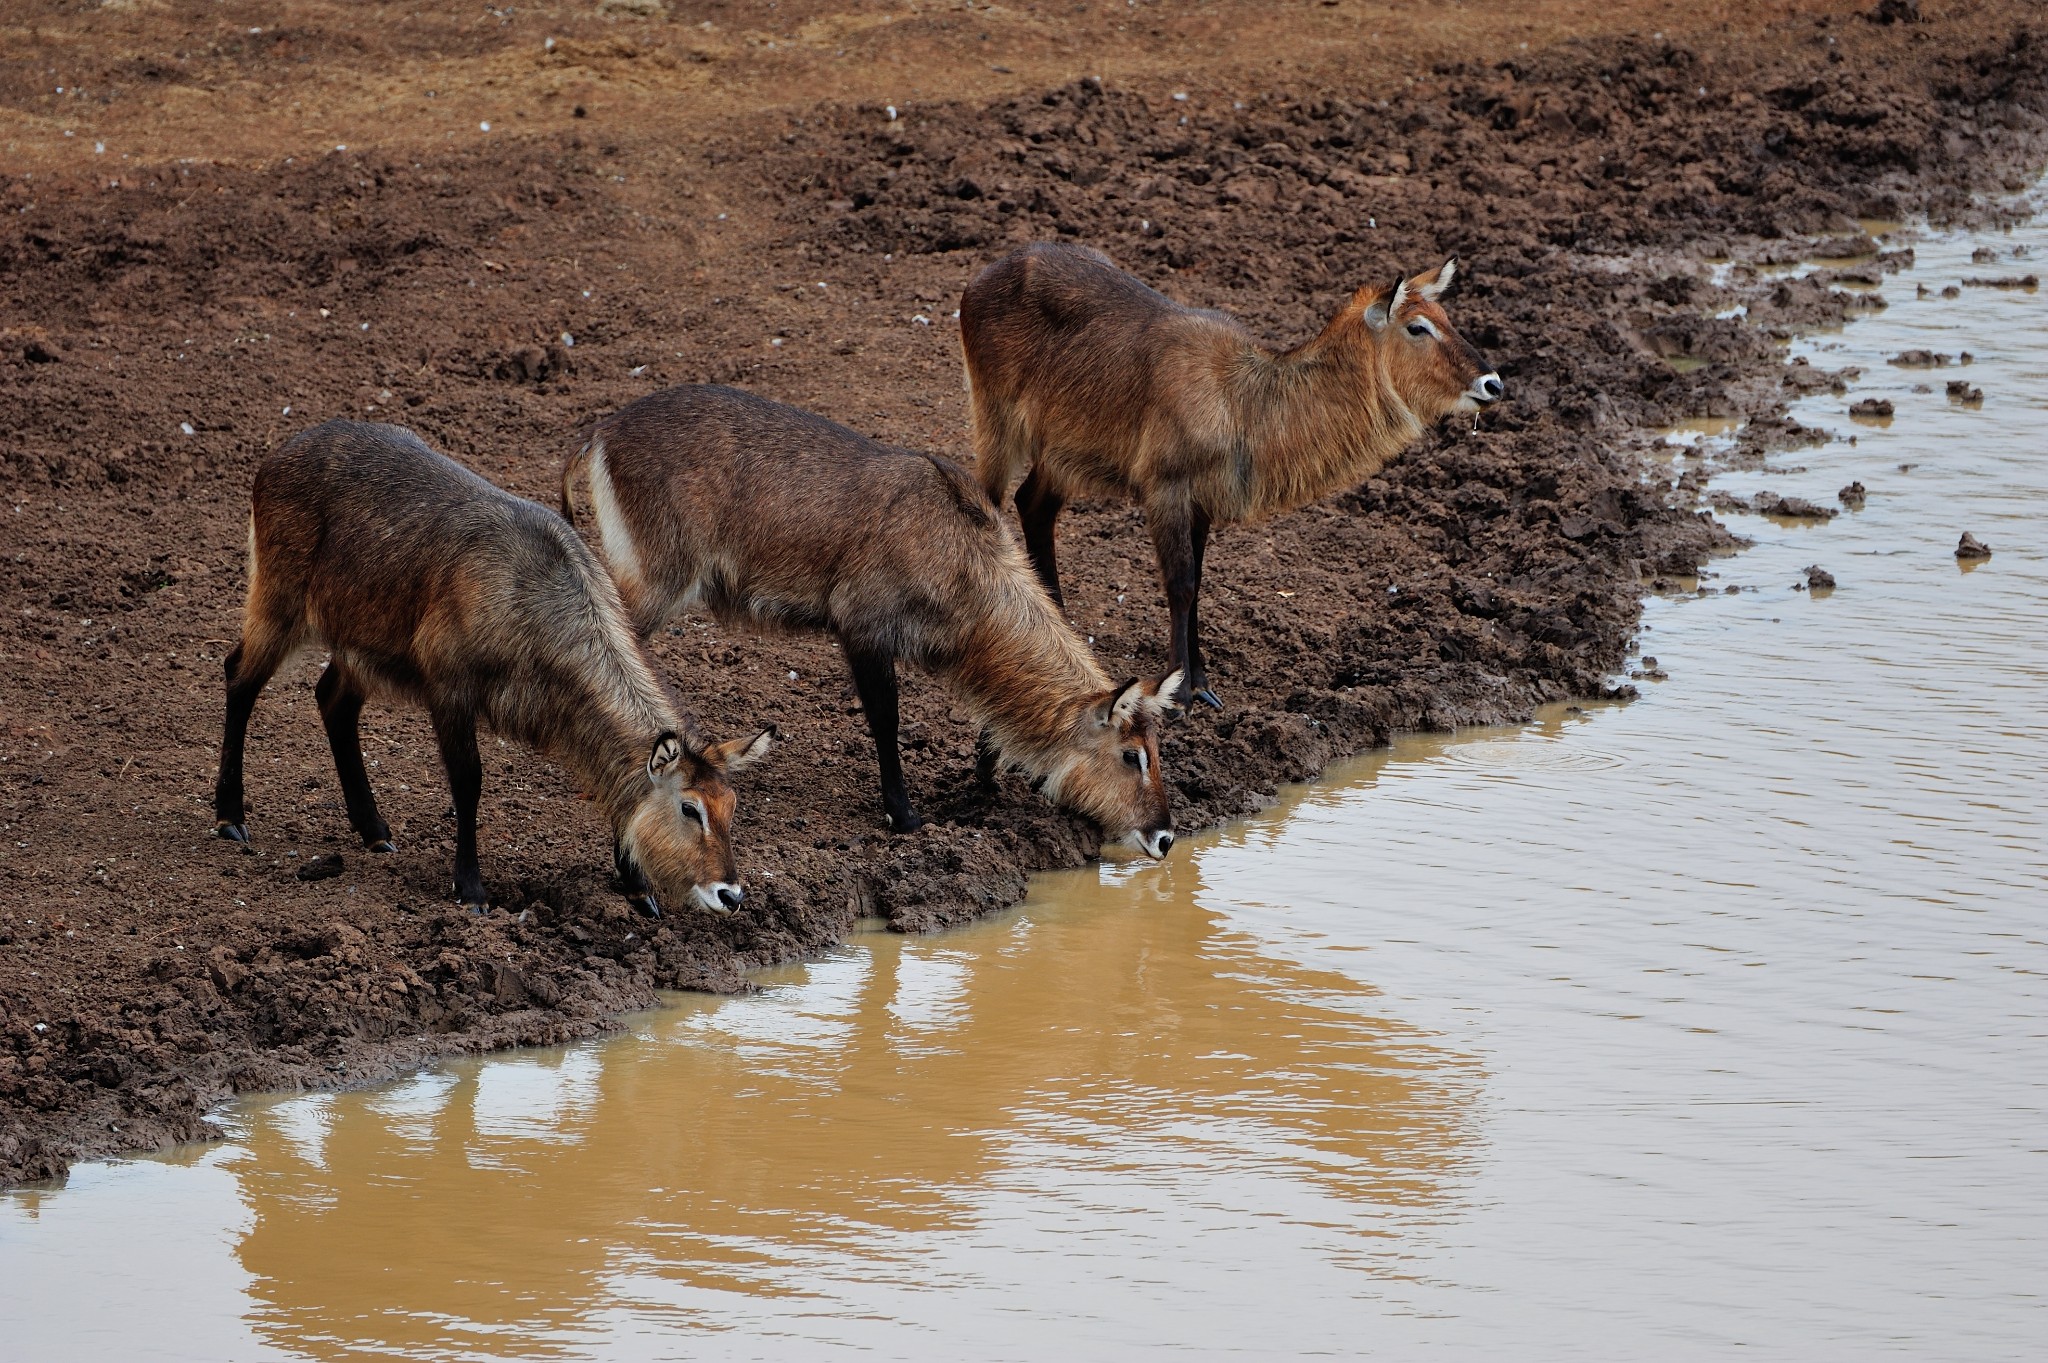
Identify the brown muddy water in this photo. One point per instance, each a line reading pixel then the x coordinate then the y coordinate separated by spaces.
pixel 1712 1022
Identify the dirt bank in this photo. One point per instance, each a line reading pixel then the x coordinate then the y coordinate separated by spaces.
pixel 163 323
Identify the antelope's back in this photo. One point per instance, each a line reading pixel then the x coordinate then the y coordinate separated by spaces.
pixel 1062 317
pixel 784 516
pixel 393 540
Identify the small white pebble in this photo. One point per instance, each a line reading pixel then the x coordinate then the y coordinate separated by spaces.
pixel 548 46
pixel 922 320
pixel 341 146
pixel 365 327
pixel 774 340
pixel 891 111
pixel 637 370
pixel 721 217
pixel 287 411
pixel 567 339
pixel 1180 96
pixel 325 313
pixel 792 676
pixel 99 149
pixel 483 127
pixel 186 427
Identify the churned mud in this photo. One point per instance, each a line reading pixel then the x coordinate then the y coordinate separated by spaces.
pixel 165 321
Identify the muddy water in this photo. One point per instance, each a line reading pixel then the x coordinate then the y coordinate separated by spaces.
pixel 1713 1021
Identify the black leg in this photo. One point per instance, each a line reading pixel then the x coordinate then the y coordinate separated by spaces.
pixel 1173 537
pixel 1198 678
pixel 1038 507
pixel 457 735
pixel 230 810
pixel 341 709
pixel 874 677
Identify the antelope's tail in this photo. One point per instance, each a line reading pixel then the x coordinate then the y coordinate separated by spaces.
pixel 570 471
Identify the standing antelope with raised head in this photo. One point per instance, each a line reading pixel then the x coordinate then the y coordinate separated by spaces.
pixel 1100 385
pixel 427 583
pixel 764 513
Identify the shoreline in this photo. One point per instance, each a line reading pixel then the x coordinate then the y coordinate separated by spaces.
pixel 1501 599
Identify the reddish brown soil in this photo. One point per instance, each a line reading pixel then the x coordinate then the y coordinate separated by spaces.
pixel 146 969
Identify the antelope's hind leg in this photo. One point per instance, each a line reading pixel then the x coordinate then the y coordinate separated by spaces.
pixel 456 733
pixel 1038 510
pixel 341 709
pixel 247 671
pixel 874 678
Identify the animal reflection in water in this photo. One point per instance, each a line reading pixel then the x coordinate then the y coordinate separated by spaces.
pixel 852 1128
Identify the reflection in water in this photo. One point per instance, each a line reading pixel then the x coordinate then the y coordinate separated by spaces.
pixel 1704 1025
pixel 1107 1051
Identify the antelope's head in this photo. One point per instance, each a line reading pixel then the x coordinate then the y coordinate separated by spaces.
pixel 678 838
pixel 1433 369
pixel 1109 768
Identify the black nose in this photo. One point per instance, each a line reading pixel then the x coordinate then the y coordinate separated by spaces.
pixel 1489 387
pixel 731 895
pixel 1165 843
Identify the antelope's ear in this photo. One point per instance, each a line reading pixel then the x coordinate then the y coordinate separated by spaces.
pixel 736 754
pixel 1382 309
pixel 1161 700
pixel 1121 703
pixel 665 757
pixel 1432 285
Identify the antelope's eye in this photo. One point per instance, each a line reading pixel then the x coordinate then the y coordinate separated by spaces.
pixel 1417 329
pixel 695 811
pixel 1131 757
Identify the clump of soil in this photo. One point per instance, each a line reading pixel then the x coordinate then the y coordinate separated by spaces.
pixel 188 317
pixel 1970 547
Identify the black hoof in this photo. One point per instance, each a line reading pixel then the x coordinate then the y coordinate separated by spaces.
pixel 231 832
pixel 646 904
pixel 382 845
pixel 1208 698
pixel 908 822
pixel 479 907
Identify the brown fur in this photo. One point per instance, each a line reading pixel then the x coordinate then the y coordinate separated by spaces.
pixel 1098 385
pixel 770 515
pixel 428 584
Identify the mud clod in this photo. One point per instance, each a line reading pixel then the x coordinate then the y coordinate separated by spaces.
pixel 1964 395
pixel 1853 496
pixel 1819 579
pixel 1872 408
pixel 1970 547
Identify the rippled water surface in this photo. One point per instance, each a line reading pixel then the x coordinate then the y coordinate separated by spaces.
pixel 1711 1022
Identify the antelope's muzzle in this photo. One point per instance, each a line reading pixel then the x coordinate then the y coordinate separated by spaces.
pixel 1154 843
pixel 1486 390
pixel 720 897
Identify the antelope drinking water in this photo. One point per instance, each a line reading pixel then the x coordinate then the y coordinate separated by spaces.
pixel 768 514
pixel 425 582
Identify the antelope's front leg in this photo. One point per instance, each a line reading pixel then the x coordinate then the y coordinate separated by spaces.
pixel 457 736
pixel 1173 523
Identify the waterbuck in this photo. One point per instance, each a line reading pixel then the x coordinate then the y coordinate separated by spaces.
pixel 1102 386
pixel 764 513
pixel 427 583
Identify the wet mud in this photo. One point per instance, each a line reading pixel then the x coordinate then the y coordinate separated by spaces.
pixel 162 328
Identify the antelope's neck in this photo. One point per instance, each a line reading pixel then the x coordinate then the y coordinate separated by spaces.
pixel 613 710
pixel 1318 419
pixel 1027 676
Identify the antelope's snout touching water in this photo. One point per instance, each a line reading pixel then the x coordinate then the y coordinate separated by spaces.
pixel 1098 385
pixel 770 515
pixel 429 584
